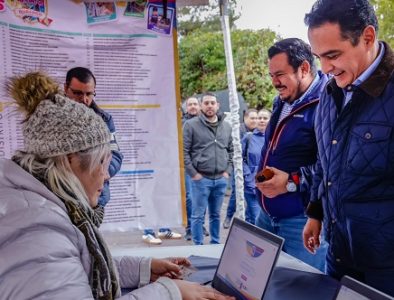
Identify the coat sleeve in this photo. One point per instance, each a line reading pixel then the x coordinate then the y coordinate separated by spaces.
pixel 245 165
pixel 187 147
pixel 116 163
pixel 135 272
pixel 42 256
pixel 315 207
pixel 117 156
pixel 230 150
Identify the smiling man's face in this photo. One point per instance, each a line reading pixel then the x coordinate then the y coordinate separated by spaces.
pixel 284 78
pixel 338 56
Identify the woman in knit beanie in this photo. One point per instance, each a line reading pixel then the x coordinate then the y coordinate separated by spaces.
pixel 50 247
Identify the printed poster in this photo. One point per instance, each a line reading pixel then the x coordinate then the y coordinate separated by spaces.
pixel 136 84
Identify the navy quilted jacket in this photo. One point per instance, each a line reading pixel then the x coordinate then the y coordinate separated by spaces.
pixel 291 146
pixel 354 182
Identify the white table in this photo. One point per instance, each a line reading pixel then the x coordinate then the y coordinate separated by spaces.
pixel 214 251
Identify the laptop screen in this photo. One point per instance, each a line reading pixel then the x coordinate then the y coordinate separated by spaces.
pixel 346 293
pixel 351 289
pixel 247 261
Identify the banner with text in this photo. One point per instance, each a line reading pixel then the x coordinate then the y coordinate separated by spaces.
pixel 129 46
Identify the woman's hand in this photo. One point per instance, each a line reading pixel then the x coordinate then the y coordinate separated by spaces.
pixel 194 291
pixel 169 267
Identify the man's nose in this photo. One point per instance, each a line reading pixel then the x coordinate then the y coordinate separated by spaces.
pixel 86 99
pixel 326 66
pixel 275 81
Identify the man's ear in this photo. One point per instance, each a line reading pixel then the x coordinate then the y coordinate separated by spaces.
pixel 305 68
pixel 368 36
pixel 65 87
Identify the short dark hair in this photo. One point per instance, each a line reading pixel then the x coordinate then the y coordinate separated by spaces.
pixel 352 16
pixel 84 75
pixel 210 94
pixel 297 52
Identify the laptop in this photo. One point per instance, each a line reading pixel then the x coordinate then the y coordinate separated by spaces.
pixel 247 261
pixel 351 289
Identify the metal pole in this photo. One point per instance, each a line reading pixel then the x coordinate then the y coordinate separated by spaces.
pixel 234 110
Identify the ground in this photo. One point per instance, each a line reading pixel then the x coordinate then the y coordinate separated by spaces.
pixel 134 238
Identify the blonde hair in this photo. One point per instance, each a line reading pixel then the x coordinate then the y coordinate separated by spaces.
pixel 57 175
pixel 29 90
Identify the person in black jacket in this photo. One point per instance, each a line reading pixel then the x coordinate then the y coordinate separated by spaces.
pixel 353 191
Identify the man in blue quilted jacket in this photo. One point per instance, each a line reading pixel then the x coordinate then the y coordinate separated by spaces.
pixel 290 146
pixel 353 188
pixel 80 86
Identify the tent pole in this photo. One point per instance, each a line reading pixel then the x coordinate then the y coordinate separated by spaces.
pixel 234 109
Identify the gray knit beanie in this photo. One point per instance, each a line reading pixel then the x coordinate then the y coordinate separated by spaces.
pixel 54 124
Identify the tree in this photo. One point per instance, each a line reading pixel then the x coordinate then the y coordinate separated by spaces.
pixel 385 13
pixel 204 18
pixel 203 65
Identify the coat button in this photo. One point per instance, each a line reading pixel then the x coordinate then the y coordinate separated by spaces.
pixel 334 142
pixel 368 135
pixel 338 260
pixel 350 88
pixel 329 183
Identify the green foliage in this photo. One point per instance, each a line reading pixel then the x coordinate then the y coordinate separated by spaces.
pixel 204 18
pixel 385 13
pixel 203 64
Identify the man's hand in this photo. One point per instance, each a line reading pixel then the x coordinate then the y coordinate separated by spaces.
pixel 226 175
pixel 198 176
pixel 276 185
pixel 169 267
pixel 311 235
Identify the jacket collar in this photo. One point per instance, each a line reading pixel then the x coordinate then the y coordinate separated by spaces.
pixel 202 117
pixel 313 94
pixel 376 83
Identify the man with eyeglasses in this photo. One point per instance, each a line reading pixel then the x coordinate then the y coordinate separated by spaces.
pixel 80 86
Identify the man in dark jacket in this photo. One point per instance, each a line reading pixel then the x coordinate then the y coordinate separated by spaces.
pixel 353 190
pixel 208 152
pixel 80 86
pixel 290 147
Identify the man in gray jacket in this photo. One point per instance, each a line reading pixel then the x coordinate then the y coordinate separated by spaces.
pixel 208 152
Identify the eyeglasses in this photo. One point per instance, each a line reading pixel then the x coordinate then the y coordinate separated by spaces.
pixel 80 94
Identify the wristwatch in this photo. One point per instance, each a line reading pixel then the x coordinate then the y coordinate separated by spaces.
pixel 292 183
pixel 291 187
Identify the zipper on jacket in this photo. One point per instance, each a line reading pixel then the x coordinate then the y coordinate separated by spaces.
pixel 275 140
pixel 275 144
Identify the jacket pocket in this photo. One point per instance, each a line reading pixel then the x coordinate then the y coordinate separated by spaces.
pixel 369 148
pixel 370 228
